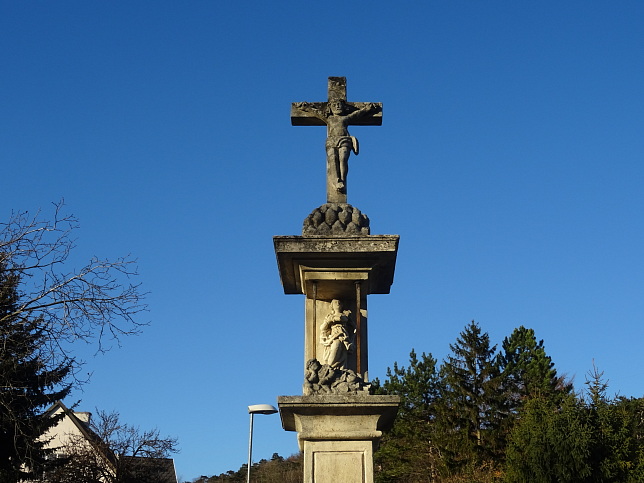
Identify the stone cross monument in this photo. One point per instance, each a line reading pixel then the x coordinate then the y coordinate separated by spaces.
pixel 337 114
pixel 336 264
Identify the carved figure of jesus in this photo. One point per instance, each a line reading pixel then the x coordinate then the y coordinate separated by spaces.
pixel 337 114
pixel 339 143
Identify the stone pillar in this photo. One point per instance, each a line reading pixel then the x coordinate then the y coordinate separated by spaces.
pixel 339 426
pixel 338 434
pixel 336 264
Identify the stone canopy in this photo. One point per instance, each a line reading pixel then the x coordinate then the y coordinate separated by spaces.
pixel 336 259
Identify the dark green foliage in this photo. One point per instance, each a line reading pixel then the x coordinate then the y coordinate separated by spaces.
pixel 417 385
pixel 29 383
pixel 550 443
pixel 472 403
pixel 454 424
pixel 578 440
pixel 486 417
pixel 528 372
pixel 616 432
pixel 406 452
pixel 278 469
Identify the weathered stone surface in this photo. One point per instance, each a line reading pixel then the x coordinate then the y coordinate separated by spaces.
pixel 338 434
pixel 335 416
pixel 336 219
pixel 336 264
pixel 373 254
pixel 337 114
pixel 335 461
pixel 337 335
pixel 323 379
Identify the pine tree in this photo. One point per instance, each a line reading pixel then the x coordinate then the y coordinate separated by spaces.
pixel 615 438
pixel 29 382
pixel 550 443
pixel 407 452
pixel 575 439
pixel 527 370
pixel 472 403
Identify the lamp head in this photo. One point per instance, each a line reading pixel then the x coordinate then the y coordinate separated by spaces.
pixel 261 409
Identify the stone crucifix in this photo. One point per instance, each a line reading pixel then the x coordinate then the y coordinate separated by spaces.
pixel 337 114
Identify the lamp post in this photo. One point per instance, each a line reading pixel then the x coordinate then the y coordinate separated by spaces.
pixel 252 410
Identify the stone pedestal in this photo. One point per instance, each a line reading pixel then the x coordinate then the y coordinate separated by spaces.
pixel 338 434
pixel 340 426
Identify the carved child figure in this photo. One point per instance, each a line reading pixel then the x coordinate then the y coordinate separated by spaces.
pixel 317 378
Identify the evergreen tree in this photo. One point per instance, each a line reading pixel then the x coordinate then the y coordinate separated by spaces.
pixel 527 370
pixel 575 439
pixel 550 443
pixel 635 408
pixel 482 415
pixel 614 423
pixel 472 403
pixel 29 382
pixel 282 470
pixel 407 452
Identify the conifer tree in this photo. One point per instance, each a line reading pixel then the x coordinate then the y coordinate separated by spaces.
pixel 472 403
pixel 615 436
pixel 29 382
pixel 575 439
pixel 550 443
pixel 407 452
pixel 527 370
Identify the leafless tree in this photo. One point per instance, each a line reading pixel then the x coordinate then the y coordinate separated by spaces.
pixel 114 452
pixel 96 303
pixel 126 440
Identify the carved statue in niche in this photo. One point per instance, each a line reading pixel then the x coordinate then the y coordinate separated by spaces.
pixel 337 334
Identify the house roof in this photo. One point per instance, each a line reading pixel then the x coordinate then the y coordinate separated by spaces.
pixel 83 426
pixel 162 468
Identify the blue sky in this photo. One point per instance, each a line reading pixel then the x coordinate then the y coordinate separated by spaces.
pixel 510 161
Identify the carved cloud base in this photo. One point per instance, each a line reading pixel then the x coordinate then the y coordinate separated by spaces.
pixel 338 434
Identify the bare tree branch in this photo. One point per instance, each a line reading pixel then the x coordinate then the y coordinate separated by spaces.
pixel 97 303
pixel 116 452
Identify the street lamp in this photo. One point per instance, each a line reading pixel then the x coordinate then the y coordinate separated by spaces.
pixel 252 410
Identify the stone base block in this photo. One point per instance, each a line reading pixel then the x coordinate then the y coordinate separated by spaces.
pixel 338 461
pixel 338 434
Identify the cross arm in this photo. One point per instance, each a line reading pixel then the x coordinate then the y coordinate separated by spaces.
pixel 365 113
pixel 308 113
pixel 315 113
